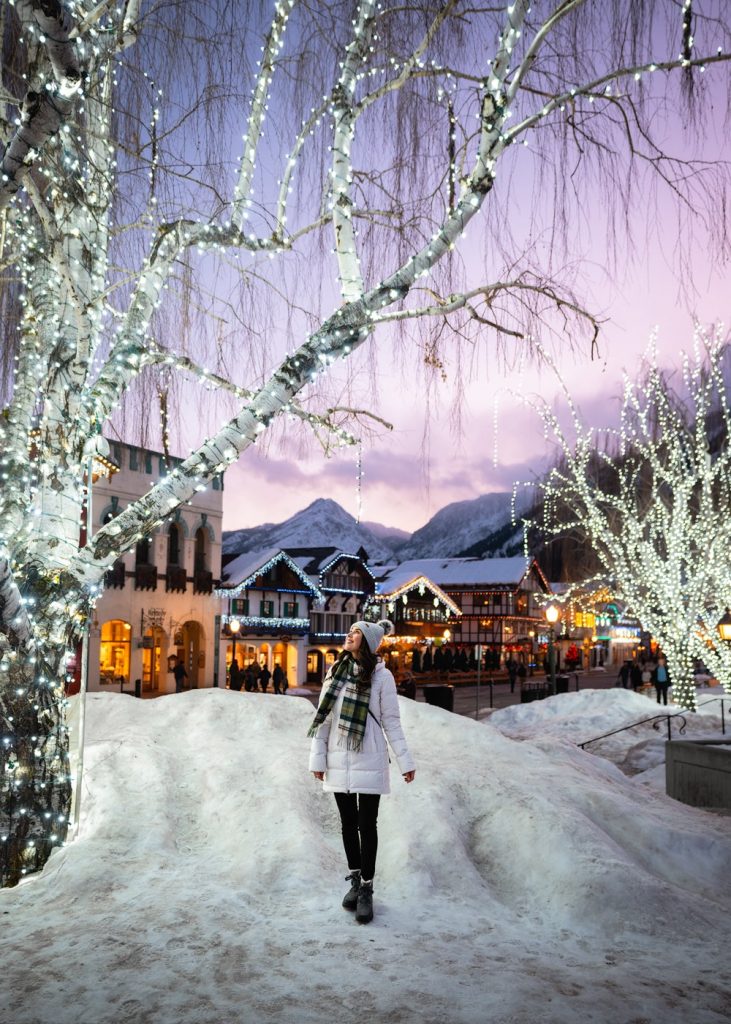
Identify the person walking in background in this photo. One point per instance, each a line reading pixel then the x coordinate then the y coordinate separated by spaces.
pixel 661 680
pixel 623 675
pixel 180 675
pixel 635 675
pixel 349 753
pixel 264 677
pixel 249 678
pixel 277 678
pixel 234 676
pixel 512 667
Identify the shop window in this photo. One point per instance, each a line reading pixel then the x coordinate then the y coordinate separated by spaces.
pixel 114 651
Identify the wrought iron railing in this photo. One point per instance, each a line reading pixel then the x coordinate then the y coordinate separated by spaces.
pixel 656 719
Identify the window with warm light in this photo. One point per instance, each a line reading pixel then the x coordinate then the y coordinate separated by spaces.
pixel 114 651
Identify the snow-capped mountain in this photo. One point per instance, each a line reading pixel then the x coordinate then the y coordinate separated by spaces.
pixel 464 526
pixel 390 535
pixel 480 527
pixel 324 523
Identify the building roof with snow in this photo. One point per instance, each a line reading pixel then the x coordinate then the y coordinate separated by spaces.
pixel 462 573
pixel 243 571
pixel 423 585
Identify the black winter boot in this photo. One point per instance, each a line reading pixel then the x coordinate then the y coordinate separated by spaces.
pixel 350 900
pixel 364 910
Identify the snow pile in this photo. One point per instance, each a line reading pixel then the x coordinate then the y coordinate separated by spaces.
pixel 588 714
pixel 516 883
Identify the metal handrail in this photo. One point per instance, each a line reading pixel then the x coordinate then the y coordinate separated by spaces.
pixel 654 718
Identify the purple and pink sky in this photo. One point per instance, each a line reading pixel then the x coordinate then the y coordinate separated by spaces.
pixel 433 456
pixel 426 462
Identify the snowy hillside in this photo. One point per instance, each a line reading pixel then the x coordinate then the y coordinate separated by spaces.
pixel 460 526
pixel 479 527
pixel 390 535
pixel 518 881
pixel 322 524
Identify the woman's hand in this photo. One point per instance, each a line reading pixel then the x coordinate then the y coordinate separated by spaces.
pixel 319 775
pixel 409 776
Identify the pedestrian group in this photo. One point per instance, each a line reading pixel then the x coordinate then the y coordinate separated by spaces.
pixel 256 677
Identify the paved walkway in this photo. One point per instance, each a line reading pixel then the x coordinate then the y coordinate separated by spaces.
pixel 468 701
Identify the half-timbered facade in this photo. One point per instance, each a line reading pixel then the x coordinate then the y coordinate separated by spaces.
pixel 346 584
pixel 269 598
pixel 498 602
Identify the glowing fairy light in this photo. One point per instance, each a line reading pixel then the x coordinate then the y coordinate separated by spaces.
pixel 653 507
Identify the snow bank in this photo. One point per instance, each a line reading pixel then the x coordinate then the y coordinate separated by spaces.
pixel 518 881
pixel 588 714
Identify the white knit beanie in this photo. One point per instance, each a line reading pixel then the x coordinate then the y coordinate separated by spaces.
pixel 374 632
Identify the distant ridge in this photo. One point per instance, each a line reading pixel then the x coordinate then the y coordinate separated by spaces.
pixel 464 526
pixel 479 527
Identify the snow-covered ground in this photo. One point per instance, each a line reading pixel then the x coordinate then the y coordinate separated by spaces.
pixel 588 714
pixel 520 880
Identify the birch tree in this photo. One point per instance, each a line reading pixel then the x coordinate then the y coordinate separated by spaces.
pixel 651 504
pixel 366 140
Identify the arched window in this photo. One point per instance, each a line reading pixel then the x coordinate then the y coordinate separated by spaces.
pixel 200 550
pixel 142 552
pixel 173 545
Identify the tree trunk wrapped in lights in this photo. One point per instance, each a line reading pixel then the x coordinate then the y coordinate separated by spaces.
pixel 369 142
pixel 652 506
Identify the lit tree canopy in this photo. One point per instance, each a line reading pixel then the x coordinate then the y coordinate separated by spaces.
pixel 190 188
pixel 652 504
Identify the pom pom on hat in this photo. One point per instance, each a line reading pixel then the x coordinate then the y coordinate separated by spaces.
pixel 374 632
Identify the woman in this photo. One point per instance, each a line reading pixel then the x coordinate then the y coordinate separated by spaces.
pixel 349 752
pixel 661 679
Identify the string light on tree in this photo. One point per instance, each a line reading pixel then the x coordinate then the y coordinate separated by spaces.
pixel 651 501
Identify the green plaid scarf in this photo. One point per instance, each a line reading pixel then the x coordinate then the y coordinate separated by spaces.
pixel 353 713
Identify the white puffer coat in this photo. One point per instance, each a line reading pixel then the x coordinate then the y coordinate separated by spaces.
pixel 366 770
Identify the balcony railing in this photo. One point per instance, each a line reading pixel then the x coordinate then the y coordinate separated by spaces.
pixel 175 578
pixel 327 638
pixel 202 582
pixel 145 577
pixel 114 577
pixel 258 624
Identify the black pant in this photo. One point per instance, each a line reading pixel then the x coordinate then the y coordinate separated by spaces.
pixel 359 817
pixel 662 691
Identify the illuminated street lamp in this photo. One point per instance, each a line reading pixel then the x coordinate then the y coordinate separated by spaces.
pixel 552 615
pixel 724 626
pixel 234 625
